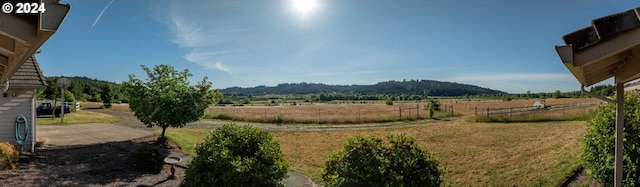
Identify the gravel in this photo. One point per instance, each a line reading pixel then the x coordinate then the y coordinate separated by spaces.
pixel 105 164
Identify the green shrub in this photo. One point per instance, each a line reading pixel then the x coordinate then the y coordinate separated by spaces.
pixel 370 161
pixel 237 156
pixel 430 109
pixel 599 140
pixel 389 101
pixel 278 119
pixel 148 159
pixel 8 156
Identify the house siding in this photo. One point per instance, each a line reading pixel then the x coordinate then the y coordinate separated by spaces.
pixel 10 108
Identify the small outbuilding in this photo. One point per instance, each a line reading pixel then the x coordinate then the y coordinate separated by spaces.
pixel 20 100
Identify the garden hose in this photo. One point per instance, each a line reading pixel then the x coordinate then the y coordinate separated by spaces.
pixel 21 120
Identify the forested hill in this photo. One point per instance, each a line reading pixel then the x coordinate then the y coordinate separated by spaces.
pixel 412 87
pixel 83 89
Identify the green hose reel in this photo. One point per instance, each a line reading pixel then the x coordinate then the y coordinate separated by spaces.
pixel 21 121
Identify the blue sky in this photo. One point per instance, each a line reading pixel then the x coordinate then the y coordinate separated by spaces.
pixel 505 45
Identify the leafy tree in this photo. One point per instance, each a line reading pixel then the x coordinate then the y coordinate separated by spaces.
pixel 68 96
pixel 370 161
pixel 237 156
pixel 389 101
pixel 40 94
pixel 106 95
pixel 599 153
pixel 166 99
pixel 556 94
pixel 430 109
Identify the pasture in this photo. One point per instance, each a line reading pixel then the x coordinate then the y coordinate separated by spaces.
pixel 321 113
pixel 474 154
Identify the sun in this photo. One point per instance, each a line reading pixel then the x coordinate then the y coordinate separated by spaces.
pixel 304 7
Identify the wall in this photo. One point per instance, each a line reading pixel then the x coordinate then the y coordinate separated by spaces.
pixel 10 108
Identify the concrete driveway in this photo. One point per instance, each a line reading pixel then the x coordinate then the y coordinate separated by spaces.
pixel 86 134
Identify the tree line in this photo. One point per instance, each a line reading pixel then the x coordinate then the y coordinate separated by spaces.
pixel 411 87
pixel 94 90
pixel 84 89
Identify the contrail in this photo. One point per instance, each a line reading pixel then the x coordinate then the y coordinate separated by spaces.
pixel 100 15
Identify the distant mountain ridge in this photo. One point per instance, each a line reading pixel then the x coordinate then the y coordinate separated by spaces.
pixel 412 87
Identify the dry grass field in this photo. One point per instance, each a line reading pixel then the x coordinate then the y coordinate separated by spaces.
pixel 528 154
pixel 467 108
pixel 475 154
pixel 362 113
pixel 319 113
pixel 358 113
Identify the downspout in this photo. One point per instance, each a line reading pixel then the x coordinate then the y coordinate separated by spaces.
pixel 33 120
pixel 596 95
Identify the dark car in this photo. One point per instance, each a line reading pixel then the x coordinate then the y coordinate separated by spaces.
pixel 47 108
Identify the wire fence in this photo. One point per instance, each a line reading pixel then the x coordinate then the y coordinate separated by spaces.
pixel 557 109
pixel 324 113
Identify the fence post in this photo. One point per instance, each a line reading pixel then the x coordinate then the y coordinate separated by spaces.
pixel 509 111
pixel 400 110
pixel 418 110
pixel 476 111
pixel 487 112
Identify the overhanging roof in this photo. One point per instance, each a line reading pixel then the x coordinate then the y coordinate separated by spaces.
pixel 22 34
pixel 28 75
pixel 607 48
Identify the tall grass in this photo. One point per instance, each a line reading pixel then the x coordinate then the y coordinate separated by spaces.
pixel 537 117
pixel 323 113
pixel 476 154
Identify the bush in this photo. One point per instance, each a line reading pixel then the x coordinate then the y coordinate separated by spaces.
pixel 599 140
pixel 389 101
pixel 148 159
pixel 430 109
pixel 278 119
pixel 8 156
pixel 369 161
pixel 237 156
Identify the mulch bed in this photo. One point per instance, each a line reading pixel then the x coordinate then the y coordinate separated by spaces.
pixel 96 165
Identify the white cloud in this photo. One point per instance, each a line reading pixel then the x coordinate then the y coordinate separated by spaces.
pixel 202 38
pixel 221 66
pixel 205 59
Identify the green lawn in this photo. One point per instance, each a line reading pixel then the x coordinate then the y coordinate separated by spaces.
pixel 476 154
pixel 80 117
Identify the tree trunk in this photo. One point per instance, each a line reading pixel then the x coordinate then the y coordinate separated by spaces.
pixel 163 129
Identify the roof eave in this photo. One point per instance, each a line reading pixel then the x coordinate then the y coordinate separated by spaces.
pixel 605 49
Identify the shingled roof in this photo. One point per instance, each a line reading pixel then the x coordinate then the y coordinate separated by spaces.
pixel 608 47
pixel 28 75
